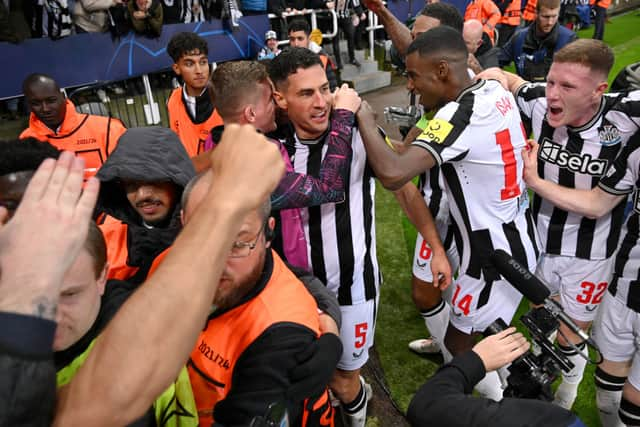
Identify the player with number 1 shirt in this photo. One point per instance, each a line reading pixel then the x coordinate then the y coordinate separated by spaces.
pixel 476 136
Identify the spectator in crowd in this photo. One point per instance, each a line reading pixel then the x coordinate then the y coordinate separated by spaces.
pixel 13 25
pixel 348 11
pixel 529 11
pixel 146 17
pixel 600 7
pixel 532 48
pixel 510 20
pixel 244 94
pixel 191 111
pixel 472 33
pixel 488 14
pixel 255 365
pixel 572 117
pixel 54 118
pixel 92 16
pixel 86 304
pixel 271 49
pixel 29 292
pixel 450 389
pixel 171 11
pixel 193 11
pixel 141 187
pixel 18 160
pixel 168 312
pixel 299 32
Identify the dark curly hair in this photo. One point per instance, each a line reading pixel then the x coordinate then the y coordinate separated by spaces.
pixel 288 62
pixel 19 155
pixel 185 43
pixel 299 24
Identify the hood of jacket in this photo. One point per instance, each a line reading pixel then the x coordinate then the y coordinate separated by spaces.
pixel 149 154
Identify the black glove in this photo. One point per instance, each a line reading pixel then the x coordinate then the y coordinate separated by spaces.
pixel 316 365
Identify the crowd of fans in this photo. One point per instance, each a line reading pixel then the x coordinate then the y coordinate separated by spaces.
pixel 223 271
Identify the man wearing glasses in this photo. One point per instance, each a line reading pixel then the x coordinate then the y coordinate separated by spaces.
pixel 262 317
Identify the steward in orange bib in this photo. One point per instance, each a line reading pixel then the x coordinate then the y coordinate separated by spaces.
pixel 139 200
pixel 191 112
pixel 486 12
pixel 54 119
pixel 262 317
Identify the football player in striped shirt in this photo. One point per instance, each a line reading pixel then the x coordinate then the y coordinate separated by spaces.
pixel 474 136
pixel 580 130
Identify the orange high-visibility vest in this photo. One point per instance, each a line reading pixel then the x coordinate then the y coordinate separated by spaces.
pixel 530 11
pixel 601 3
pixel 192 135
pixel 512 14
pixel 91 137
pixel 225 338
pixel 115 236
pixel 486 12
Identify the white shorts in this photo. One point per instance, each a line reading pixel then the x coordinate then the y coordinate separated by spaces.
pixel 616 330
pixel 466 293
pixel 580 283
pixel 422 257
pixel 356 333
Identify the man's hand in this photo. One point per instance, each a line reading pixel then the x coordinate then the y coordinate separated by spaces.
pixel 44 237
pixel 366 113
pixel 502 348
pixel 441 270
pixel 374 5
pixel 494 73
pixel 346 98
pixel 246 168
pixel 530 160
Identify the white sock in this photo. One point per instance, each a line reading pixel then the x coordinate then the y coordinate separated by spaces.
pixel 608 397
pixel 568 389
pixel 356 411
pixel 437 321
pixel 490 386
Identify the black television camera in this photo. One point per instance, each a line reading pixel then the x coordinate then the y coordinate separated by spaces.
pixel 531 375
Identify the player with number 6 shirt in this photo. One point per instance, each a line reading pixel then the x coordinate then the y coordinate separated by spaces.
pixel 476 137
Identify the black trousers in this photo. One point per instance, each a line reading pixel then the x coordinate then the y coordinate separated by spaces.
pixel 345 25
pixel 601 16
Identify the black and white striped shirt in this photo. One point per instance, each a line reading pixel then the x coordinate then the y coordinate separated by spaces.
pixel 477 141
pixel 341 237
pixel 623 177
pixel 577 158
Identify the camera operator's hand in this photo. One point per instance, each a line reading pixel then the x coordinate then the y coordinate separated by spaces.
pixel 502 348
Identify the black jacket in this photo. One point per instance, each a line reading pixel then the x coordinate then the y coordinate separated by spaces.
pixel 151 154
pixel 446 397
pixel 27 374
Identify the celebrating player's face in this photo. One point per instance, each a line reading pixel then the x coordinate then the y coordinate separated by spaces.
pixel 307 99
pixel 573 92
pixel 422 78
pixel 265 109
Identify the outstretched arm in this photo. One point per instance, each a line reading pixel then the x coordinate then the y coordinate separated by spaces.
pixel 392 169
pixel 592 203
pixel 398 32
pixel 150 338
